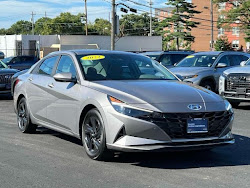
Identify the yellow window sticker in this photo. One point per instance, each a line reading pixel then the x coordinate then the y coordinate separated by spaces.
pixel 93 57
pixel 190 56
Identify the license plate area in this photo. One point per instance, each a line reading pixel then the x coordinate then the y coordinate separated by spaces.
pixel 197 125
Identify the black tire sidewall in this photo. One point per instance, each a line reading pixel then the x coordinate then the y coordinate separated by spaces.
pixel 210 83
pixel 100 154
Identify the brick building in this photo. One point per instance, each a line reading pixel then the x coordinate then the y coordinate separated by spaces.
pixel 203 32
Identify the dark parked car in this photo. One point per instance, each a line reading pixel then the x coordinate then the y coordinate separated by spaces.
pixel 5 78
pixel 168 58
pixel 20 62
pixel 1 55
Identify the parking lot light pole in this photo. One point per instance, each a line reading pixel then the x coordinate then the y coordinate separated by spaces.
pixel 113 26
pixel 86 18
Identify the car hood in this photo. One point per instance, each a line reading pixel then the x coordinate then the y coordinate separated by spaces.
pixel 186 71
pixel 240 69
pixel 160 95
pixel 8 71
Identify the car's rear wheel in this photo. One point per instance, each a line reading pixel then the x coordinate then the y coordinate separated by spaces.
pixel 23 118
pixel 93 136
pixel 208 85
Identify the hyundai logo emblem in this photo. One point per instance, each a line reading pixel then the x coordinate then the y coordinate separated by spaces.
pixel 194 106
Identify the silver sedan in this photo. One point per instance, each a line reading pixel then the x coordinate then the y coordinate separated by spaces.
pixel 119 101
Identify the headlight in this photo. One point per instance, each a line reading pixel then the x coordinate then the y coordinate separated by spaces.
pixel 190 76
pixel 125 109
pixel 228 106
pixel 224 74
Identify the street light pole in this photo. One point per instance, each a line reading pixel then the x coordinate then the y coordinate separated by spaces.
pixel 113 26
pixel 86 18
pixel 150 4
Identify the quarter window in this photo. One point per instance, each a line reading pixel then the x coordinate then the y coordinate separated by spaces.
pixel 66 65
pixel 47 66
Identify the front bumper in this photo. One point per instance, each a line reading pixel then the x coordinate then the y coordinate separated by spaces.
pixel 124 133
pixel 229 95
pixel 181 145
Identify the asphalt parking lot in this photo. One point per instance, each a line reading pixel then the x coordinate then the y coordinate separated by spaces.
pixel 51 159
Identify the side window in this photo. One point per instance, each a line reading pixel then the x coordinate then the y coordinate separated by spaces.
pixel 66 64
pixel 47 66
pixel 235 60
pixel 166 60
pixel 16 60
pixel 225 59
pixel 244 58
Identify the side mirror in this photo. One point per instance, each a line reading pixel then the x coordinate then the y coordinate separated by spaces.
pixel 180 77
pixel 221 65
pixel 243 63
pixel 64 77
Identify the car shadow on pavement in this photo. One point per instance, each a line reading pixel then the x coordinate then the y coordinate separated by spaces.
pixel 233 155
pixel 243 106
pixel 6 97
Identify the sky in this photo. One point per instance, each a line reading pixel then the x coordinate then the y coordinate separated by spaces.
pixel 15 10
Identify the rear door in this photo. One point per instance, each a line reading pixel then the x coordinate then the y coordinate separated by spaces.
pixel 64 96
pixel 37 88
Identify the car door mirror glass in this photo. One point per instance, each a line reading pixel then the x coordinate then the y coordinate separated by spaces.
pixel 221 65
pixel 64 77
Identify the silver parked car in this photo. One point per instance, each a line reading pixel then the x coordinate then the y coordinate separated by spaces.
pixel 205 68
pixel 235 84
pixel 106 99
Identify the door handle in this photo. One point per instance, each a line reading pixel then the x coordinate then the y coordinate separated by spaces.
pixel 30 79
pixel 51 85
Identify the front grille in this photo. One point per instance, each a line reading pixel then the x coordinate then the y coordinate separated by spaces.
pixel 5 78
pixel 235 81
pixel 175 124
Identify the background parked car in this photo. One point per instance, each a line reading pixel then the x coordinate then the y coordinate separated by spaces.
pixel 1 55
pixel 168 58
pixel 20 62
pixel 5 78
pixel 205 68
pixel 235 84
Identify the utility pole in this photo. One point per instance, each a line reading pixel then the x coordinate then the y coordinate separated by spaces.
pixel 32 21
pixel 86 18
pixel 212 25
pixel 177 38
pixel 113 25
pixel 45 14
pixel 150 4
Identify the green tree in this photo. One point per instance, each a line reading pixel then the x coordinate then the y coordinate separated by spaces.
pixel 240 12
pixel 42 26
pixel 100 27
pixel 66 23
pixel 20 27
pixel 179 23
pixel 132 24
pixel 222 44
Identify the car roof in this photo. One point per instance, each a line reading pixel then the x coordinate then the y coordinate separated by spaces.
pixel 218 52
pixel 167 52
pixel 83 52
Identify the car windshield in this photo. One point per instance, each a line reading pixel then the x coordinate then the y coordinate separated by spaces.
pixel 7 60
pixel 122 67
pixel 197 61
pixel 2 65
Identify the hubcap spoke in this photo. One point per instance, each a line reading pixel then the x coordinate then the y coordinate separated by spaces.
pixel 88 129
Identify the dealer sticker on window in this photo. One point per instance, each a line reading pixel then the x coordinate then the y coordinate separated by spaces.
pixel 93 57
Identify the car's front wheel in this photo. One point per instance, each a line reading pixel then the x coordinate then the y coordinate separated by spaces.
pixel 208 85
pixel 93 136
pixel 23 118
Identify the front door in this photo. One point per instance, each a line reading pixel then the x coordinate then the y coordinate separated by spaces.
pixel 64 96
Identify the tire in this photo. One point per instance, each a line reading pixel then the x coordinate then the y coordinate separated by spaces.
pixel 93 136
pixel 208 85
pixel 23 118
